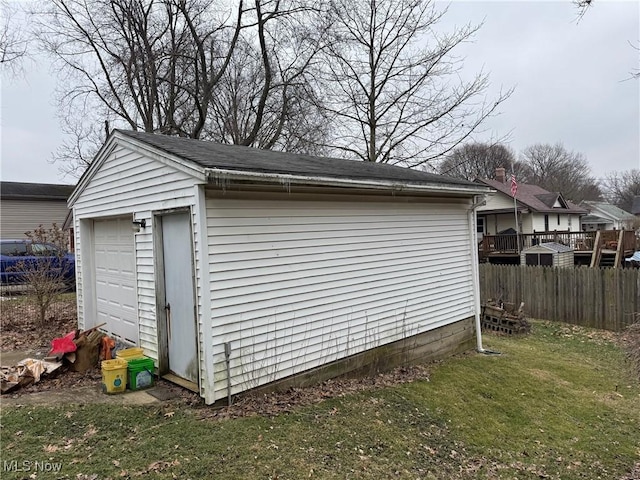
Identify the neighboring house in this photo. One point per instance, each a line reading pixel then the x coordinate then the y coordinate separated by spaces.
pixel 538 209
pixel 25 206
pixel 604 216
pixel 219 258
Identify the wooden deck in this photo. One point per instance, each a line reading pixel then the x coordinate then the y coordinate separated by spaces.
pixel 590 248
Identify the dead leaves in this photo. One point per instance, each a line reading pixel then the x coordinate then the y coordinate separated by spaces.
pixel 277 403
pixel 19 329
pixel 152 468
pixel 159 466
pixel 67 445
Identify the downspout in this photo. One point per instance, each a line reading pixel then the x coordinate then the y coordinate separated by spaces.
pixel 475 268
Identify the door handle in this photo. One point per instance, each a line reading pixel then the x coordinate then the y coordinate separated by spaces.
pixel 167 309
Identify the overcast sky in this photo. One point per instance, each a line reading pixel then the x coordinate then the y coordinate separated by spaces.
pixel 572 85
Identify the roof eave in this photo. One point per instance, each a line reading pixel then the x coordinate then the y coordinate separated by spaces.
pixel 222 177
pixel 155 153
pixel 38 198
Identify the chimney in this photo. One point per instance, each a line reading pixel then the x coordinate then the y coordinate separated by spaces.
pixel 500 174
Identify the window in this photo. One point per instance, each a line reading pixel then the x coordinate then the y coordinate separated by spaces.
pixel 546 223
pixel 544 259
pixel 480 225
pixel 43 249
pixel 558 219
pixel 14 249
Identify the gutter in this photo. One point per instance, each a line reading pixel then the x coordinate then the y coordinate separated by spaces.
pixel 223 177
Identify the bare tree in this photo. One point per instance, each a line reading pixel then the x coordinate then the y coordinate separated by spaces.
pixel 393 85
pixel 267 97
pixel 14 38
pixel 557 169
pixel 620 188
pixel 198 69
pixel 151 65
pixel 48 271
pixel 582 6
pixel 477 160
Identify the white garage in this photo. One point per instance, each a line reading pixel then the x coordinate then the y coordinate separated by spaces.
pixel 252 267
pixel 115 278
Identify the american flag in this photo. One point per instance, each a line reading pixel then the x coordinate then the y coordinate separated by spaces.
pixel 514 185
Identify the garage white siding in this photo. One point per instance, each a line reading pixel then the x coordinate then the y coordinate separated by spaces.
pixel 129 183
pixel 299 283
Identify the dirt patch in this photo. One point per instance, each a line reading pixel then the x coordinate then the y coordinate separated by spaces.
pixel 635 473
pixel 276 403
pixel 20 329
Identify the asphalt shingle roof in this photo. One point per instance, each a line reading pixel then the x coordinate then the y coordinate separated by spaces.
pixel 234 157
pixel 536 198
pixel 34 191
pixel 612 210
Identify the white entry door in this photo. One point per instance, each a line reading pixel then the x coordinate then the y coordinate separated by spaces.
pixel 179 295
pixel 116 303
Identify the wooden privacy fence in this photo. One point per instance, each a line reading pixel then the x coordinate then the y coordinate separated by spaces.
pixel 605 298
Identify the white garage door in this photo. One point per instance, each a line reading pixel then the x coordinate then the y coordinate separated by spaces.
pixel 115 277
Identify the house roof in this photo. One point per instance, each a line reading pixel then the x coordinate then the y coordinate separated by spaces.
pixel 609 210
pixel 234 158
pixel 34 191
pixel 536 198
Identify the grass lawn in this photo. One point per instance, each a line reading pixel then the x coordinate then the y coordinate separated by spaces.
pixel 559 403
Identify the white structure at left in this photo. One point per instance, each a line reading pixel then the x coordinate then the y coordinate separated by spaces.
pixel 218 258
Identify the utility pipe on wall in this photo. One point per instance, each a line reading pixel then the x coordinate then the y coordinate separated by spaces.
pixel 227 354
pixel 477 202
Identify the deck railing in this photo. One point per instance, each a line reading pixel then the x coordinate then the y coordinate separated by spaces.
pixel 579 241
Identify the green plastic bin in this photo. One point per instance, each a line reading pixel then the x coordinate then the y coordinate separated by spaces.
pixel 140 373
